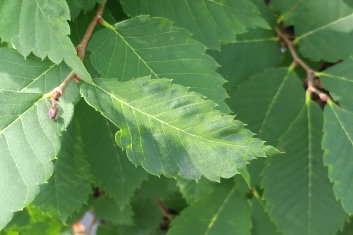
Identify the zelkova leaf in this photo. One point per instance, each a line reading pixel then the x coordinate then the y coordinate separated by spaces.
pixel 338 146
pixel 328 26
pixel 145 46
pixel 29 140
pixel 41 27
pixel 211 22
pixel 270 92
pixel 225 211
pixel 338 80
pixel 68 189
pixel 171 131
pixel 252 53
pixel 111 169
pixel 299 194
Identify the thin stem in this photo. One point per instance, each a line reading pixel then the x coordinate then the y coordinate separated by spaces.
pixel 81 48
pixel 309 71
pixel 164 209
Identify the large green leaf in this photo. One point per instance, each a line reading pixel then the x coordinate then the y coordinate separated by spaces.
pixel 299 194
pixel 225 211
pixel 70 185
pixel 211 22
pixel 339 81
pixel 338 146
pixel 111 169
pixel 41 27
pixel 29 140
pixel 171 131
pixel 153 46
pixel 319 23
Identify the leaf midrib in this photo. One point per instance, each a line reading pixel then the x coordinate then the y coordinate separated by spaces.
pixel 134 51
pixel 215 217
pixel 324 27
pixel 166 123
pixel 20 116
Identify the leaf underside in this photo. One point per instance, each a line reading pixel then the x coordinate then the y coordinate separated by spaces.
pixel 171 131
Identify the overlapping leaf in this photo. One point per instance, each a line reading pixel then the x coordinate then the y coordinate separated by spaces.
pixel 252 53
pixel 211 22
pixel 319 23
pixel 111 169
pixel 171 131
pixel 261 220
pixel 194 190
pixel 41 27
pixel 107 209
pixel 29 140
pixel 225 211
pixel 338 146
pixel 270 93
pixel 153 46
pixel 70 185
pixel 299 194
pixel 339 81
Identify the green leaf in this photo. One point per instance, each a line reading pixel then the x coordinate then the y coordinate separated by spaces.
pixel 270 92
pixel 76 6
pixel 107 209
pixel 41 27
pixel 111 169
pixel 328 26
pixel 164 129
pixel 297 189
pixel 145 46
pixel 339 81
pixel 225 211
pixel 194 190
pixel 29 140
pixel 338 146
pixel 252 52
pixel 261 220
pixel 211 22
pixel 70 185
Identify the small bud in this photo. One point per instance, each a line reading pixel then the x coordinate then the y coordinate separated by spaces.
pixel 323 97
pixel 53 111
pixel 77 78
pixel 100 20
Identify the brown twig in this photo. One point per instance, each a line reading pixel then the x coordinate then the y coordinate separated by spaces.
pixel 81 51
pixel 164 210
pixel 312 89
